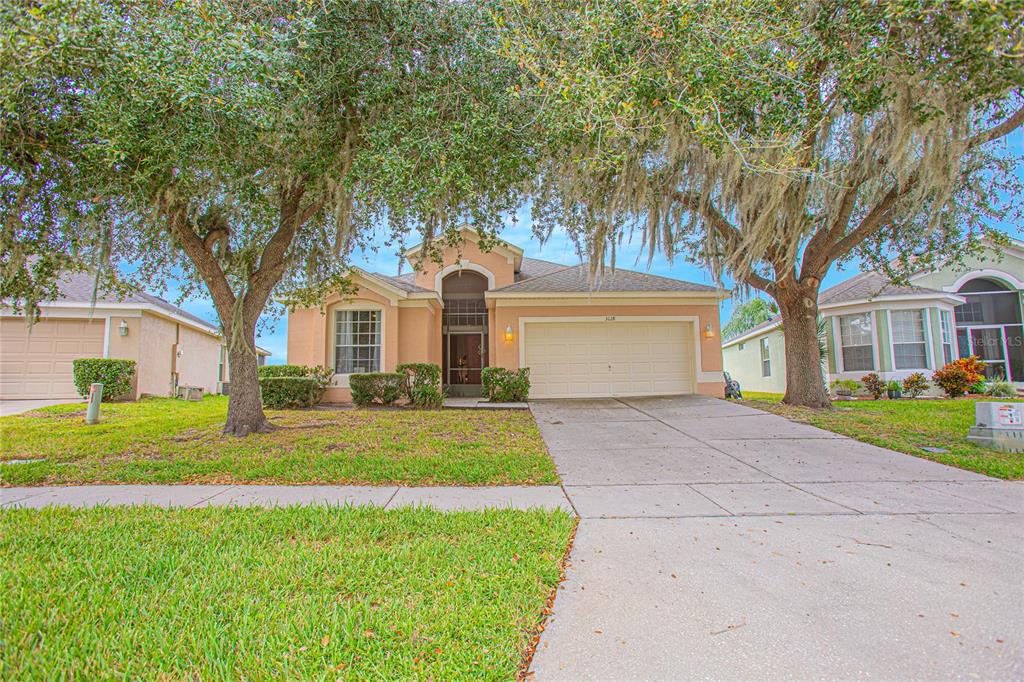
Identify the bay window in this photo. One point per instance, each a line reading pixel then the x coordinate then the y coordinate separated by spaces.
pixel 856 337
pixel 946 323
pixel 909 349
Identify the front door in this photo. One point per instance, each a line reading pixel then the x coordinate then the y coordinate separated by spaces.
pixel 466 357
pixel 989 344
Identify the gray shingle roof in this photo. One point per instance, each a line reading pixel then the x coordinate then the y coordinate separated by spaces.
pixel 868 285
pixel 404 282
pixel 535 267
pixel 77 287
pixel 576 279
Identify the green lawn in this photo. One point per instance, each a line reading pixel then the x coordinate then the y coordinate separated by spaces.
pixel 161 440
pixel 906 425
pixel 249 593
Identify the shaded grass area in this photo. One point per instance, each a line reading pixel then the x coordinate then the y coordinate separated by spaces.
pixel 162 440
pixel 907 426
pixel 250 593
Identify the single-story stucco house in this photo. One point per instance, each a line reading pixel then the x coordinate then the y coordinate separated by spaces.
pixel 622 333
pixel 171 347
pixel 872 325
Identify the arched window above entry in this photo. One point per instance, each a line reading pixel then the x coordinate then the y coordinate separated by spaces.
pixel 982 284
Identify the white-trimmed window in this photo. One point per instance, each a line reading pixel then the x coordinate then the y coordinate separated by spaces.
pixel 357 338
pixel 946 323
pixel 856 336
pixel 909 350
pixel 766 359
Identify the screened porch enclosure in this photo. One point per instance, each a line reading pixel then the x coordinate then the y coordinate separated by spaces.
pixel 464 332
pixel 989 326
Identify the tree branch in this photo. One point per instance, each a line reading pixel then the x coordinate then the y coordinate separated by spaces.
pixel 726 231
pixel 997 131
pixel 873 221
pixel 209 269
pixel 272 260
pixel 817 256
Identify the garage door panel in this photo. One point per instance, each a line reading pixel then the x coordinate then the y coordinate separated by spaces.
pixel 37 363
pixel 609 358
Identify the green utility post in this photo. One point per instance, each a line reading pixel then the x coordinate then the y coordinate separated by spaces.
pixel 92 412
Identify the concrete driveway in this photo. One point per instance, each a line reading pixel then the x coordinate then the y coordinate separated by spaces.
pixel 9 407
pixel 721 542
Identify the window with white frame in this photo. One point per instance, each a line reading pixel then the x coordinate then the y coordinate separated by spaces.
pixel 766 359
pixel 946 322
pixel 856 336
pixel 357 340
pixel 909 350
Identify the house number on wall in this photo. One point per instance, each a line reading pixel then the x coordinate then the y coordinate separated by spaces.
pixel 610 318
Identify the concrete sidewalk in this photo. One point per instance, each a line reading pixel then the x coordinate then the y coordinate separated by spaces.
pixel 444 498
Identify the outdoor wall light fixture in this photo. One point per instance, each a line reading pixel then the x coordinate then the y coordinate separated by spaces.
pixel 709 333
pixel 122 328
pixel 508 334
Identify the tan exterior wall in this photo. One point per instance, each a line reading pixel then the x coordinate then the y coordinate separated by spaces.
pixel 200 359
pixel 156 341
pixel 197 366
pixel 498 264
pixel 126 347
pixel 506 353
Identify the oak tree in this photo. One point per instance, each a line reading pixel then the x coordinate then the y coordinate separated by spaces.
pixel 245 146
pixel 772 140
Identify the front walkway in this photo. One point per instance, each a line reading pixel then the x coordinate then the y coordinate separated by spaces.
pixel 720 542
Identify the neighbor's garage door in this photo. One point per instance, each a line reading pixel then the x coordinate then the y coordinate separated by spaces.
pixel 38 364
pixel 609 358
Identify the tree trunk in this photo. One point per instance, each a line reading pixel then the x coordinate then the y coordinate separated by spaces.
pixel 805 385
pixel 245 407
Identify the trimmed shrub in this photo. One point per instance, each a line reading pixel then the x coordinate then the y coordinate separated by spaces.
pixel 506 385
pixel 845 386
pixel 958 376
pixel 383 388
pixel 293 386
pixel 285 371
pixel 117 376
pixel 873 384
pixel 915 384
pixel 422 386
pixel 1002 389
pixel 290 392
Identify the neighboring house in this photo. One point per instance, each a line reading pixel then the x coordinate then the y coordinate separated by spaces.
pixel 622 334
pixel 874 326
pixel 170 346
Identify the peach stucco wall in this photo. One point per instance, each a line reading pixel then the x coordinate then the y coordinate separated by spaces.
pixel 506 354
pixel 498 264
pixel 411 334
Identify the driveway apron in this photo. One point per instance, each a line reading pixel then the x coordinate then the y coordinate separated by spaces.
pixel 721 542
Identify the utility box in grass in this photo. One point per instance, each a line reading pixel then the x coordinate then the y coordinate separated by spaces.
pixel 998 425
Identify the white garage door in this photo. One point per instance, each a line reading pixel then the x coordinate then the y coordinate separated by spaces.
pixel 38 364
pixel 609 358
